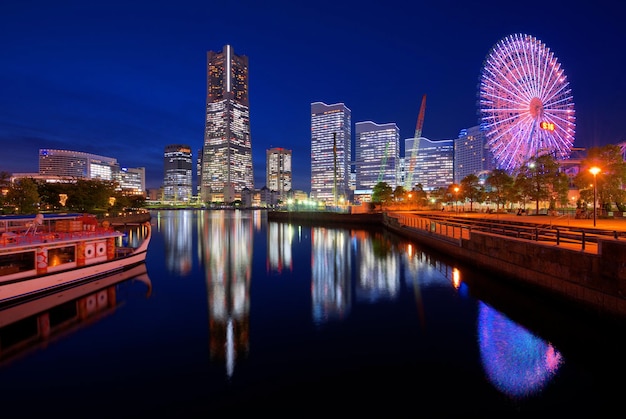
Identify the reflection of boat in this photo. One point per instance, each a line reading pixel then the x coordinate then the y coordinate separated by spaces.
pixel 34 322
pixel 45 253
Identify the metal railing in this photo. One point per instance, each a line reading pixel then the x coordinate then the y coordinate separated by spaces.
pixel 456 230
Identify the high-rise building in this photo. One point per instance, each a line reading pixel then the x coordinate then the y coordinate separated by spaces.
pixel 227 152
pixel 377 152
pixel 434 163
pixel 471 154
pixel 331 152
pixel 77 165
pixel 178 173
pixel 278 170
pixel 132 181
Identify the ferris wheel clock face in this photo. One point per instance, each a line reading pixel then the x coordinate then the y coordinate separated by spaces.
pixel 525 102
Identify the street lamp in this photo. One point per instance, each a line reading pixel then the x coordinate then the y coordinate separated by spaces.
pixel 456 199
pixel 594 171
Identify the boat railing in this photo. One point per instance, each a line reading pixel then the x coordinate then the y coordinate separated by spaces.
pixel 46 235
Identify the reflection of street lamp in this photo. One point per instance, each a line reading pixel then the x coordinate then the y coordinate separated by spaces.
pixel 594 171
pixel 456 199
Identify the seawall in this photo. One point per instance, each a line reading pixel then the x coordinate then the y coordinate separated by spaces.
pixel 136 217
pixel 596 280
pixel 318 217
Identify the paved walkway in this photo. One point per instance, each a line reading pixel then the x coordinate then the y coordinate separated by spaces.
pixel 611 224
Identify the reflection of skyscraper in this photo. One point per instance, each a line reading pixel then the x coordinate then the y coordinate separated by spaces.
pixel 178 170
pixel 177 234
pixel 227 153
pixel 227 257
pixel 331 269
pixel 278 170
pixel 331 151
pixel 279 237
pixel 379 270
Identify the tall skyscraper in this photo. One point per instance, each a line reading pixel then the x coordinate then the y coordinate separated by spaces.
pixel 331 151
pixel 178 173
pixel 377 151
pixel 471 153
pixel 227 153
pixel 278 170
pixel 434 163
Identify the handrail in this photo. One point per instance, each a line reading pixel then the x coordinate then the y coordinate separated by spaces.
pixel 462 229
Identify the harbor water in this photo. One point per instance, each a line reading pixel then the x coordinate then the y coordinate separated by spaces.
pixel 237 315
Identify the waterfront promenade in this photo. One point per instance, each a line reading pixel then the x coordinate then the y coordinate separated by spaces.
pixel 603 224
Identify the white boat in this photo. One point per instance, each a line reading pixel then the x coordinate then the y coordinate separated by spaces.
pixel 44 253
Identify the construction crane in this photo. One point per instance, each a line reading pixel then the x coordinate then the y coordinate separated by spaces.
pixel 416 145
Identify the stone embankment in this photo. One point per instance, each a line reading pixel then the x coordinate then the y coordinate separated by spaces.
pixel 320 217
pixel 129 218
pixel 595 277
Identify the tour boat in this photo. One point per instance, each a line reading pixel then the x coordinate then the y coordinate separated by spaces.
pixel 44 253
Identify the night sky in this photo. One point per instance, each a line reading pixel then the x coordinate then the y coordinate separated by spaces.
pixel 123 79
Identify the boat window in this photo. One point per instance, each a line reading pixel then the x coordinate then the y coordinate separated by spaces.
pixel 17 262
pixel 60 255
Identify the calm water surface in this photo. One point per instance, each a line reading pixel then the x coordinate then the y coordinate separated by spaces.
pixel 238 315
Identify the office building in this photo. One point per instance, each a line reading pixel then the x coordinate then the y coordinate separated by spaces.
pixel 331 152
pixel 377 153
pixel 471 154
pixel 77 165
pixel 278 170
pixel 177 173
pixel 227 151
pixel 132 181
pixel 434 163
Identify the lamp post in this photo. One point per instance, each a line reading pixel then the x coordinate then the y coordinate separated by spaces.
pixel 594 171
pixel 456 199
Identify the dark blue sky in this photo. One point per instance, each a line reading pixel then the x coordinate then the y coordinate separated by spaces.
pixel 125 78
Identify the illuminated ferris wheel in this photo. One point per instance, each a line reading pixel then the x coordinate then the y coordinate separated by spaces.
pixel 526 104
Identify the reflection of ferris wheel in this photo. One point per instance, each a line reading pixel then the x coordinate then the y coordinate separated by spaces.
pixel 526 105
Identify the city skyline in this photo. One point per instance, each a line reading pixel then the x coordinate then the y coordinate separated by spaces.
pixel 124 80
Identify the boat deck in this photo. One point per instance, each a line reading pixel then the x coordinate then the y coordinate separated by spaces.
pixel 12 239
pixel 26 231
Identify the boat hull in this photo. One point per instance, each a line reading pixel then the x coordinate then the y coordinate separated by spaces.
pixel 28 287
pixel 27 284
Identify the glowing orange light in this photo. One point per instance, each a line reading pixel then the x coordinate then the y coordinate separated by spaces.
pixel 456 278
pixel 547 126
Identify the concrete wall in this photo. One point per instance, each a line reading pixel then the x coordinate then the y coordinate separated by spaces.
pixel 597 280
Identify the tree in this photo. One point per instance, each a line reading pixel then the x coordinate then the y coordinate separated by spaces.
pixel 5 186
pixel 541 180
pixel 419 196
pixel 440 195
pixel 91 194
pixel 609 182
pixel 382 193
pixel 24 196
pixel 453 192
pixel 399 193
pixel 50 193
pixel 500 185
pixel 472 190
